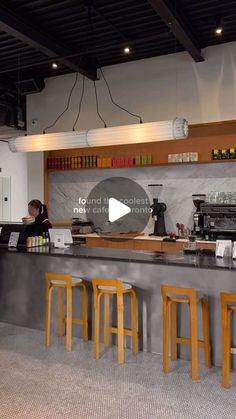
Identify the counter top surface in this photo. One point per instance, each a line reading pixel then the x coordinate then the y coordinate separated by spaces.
pixel 139 237
pixel 175 259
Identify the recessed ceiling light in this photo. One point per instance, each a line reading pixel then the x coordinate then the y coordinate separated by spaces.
pixel 219 25
pixel 219 31
pixel 54 65
pixel 126 50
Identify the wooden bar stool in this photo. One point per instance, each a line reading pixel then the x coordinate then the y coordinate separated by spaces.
pixel 61 282
pixel 114 287
pixel 228 306
pixel 171 296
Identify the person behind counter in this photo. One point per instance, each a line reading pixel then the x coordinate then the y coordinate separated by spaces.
pixel 39 211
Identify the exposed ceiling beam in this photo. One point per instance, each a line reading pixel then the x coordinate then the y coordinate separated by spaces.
pixel 41 42
pixel 178 27
pixel 108 21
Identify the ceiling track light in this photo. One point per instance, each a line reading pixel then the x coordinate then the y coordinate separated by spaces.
pixel 176 129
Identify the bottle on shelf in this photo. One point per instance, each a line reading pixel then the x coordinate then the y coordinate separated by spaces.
pixel 216 154
pixel 109 162
pixel 130 161
pixel 232 153
pixel 149 159
pixel 137 160
pixel 224 154
pixel 144 159
pixel 94 161
pixel 122 162
pixel 104 162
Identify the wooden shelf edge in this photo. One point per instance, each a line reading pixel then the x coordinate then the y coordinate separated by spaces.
pixel 146 165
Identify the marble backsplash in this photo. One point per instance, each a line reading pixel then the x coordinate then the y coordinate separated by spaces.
pixel 179 183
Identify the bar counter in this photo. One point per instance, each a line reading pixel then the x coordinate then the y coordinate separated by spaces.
pixel 22 286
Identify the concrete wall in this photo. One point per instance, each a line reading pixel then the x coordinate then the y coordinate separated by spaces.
pixel 179 183
pixel 35 176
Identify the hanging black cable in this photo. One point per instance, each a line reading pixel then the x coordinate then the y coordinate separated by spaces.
pixel 80 103
pixel 90 19
pixel 104 78
pixel 97 107
pixel 116 104
pixel 67 106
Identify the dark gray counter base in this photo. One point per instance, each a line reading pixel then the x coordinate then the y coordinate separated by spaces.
pixel 22 293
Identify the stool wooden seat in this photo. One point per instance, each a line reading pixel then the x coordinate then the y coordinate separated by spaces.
pixel 61 282
pixel 171 297
pixel 114 287
pixel 228 306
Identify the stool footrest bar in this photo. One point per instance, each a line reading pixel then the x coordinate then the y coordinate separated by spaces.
pixel 127 332
pixel 187 341
pixel 75 321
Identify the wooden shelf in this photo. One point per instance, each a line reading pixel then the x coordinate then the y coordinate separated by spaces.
pixel 146 165
pixel 100 168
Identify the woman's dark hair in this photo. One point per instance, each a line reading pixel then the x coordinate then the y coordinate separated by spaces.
pixel 37 204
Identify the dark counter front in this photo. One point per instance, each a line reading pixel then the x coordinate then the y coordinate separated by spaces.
pixel 22 286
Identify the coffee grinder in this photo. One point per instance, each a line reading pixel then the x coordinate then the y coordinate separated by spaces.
pixel 198 199
pixel 158 209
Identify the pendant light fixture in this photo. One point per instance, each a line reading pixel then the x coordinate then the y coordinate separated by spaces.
pixel 108 136
pixel 126 134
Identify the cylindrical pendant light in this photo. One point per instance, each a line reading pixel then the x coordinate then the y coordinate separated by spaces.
pixel 126 134
pixel 47 142
pixel 139 133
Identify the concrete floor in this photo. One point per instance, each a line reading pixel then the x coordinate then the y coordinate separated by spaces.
pixel 49 383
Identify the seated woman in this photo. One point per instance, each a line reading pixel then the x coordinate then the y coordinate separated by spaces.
pixel 39 211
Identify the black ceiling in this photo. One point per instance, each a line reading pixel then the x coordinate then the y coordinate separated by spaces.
pixel 83 35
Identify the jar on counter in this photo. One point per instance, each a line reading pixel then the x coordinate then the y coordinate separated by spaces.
pixel 29 242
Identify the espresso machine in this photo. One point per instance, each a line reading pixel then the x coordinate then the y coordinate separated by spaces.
pixel 214 221
pixel 158 210
pixel 219 221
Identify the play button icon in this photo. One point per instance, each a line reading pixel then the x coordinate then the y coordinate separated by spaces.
pixel 117 210
pixel 118 205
